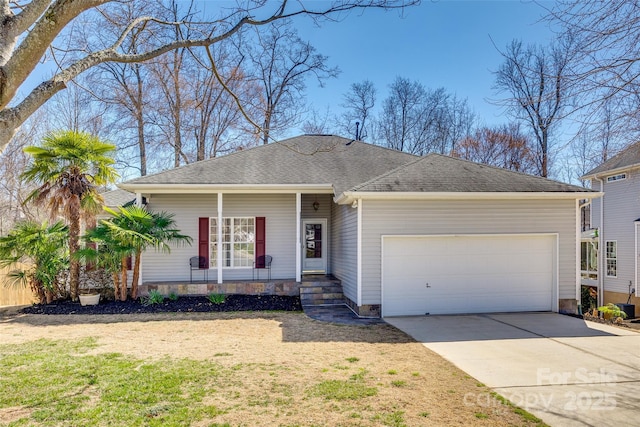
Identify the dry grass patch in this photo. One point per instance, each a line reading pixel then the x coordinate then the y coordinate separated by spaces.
pixel 247 369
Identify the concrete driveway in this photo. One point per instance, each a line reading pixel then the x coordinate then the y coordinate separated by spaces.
pixel 564 370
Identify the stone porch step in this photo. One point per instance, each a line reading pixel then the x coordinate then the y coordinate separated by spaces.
pixel 321 293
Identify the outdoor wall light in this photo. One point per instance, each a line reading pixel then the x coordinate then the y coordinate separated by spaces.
pixel 316 205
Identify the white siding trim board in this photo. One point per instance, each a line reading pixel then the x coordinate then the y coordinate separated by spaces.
pixel 578 251
pixel 349 197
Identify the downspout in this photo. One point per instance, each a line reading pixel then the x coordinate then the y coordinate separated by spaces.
pixel 635 252
pixel 601 263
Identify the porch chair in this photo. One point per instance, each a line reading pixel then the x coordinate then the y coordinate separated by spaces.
pixel 263 261
pixel 199 263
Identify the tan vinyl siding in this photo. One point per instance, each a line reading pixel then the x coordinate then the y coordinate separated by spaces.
pixel 621 209
pixel 278 209
pixel 344 254
pixel 466 217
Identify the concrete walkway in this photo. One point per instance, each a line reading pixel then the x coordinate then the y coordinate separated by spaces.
pixel 564 370
pixel 338 314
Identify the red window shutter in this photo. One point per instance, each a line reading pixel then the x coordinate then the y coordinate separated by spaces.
pixel 129 263
pixel 203 241
pixel 260 241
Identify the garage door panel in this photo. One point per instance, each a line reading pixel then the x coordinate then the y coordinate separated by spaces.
pixel 467 274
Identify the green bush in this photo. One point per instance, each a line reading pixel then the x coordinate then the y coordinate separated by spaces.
pixel 216 298
pixel 173 296
pixel 155 297
pixel 612 311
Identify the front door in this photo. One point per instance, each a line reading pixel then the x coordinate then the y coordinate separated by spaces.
pixel 314 250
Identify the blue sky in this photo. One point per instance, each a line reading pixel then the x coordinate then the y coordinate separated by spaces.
pixel 439 43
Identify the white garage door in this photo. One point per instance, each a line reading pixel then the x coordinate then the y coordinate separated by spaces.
pixel 467 274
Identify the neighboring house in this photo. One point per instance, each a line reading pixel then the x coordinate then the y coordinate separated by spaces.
pixel 405 235
pixel 615 222
pixel 113 199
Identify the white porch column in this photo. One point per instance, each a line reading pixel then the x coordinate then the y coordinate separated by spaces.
pixel 359 254
pixel 139 204
pixel 298 241
pixel 578 252
pixel 219 239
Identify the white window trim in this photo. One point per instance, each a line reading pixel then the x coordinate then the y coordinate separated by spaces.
pixel 606 258
pixel 213 220
pixel 616 178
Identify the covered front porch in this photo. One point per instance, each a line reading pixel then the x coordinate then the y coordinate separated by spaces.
pixel 315 284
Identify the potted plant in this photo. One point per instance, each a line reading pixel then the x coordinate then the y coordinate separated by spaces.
pixel 89 297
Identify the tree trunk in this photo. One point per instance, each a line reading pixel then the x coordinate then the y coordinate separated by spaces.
pixel 74 263
pixel 136 275
pixel 265 129
pixel 123 280
pixel 139 105
pixel 116 286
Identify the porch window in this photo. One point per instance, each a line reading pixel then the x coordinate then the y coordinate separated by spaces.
pixel 238 242
pixel 611 257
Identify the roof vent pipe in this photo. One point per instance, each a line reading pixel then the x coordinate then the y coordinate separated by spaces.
pixel 357 131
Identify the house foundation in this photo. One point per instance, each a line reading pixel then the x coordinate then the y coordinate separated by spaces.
pixel 274 287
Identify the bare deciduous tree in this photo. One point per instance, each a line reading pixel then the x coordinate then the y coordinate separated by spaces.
pixel 280 61
pixel 503 146
pixel 534 78
pixel 420 120
pixel 30 28
pixel 359 103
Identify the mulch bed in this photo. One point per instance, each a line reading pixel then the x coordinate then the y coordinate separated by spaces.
pixel 181 305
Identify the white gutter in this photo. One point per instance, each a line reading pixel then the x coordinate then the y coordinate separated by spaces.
pixel 611 172
pixel 349 197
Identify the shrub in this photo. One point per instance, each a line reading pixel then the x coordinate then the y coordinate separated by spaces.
pixel 173 296
pixel 216 298
pixel 612 311
pixel 155 297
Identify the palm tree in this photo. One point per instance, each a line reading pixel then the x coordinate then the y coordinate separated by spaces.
pixel 108 253
pixel 37 252
pixel 137 229
pixel 68 169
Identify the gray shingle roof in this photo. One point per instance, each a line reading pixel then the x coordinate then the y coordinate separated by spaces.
pixel 628 157
pixel 438 173
pixel 350 165
pixel 118 197
pixel 307 159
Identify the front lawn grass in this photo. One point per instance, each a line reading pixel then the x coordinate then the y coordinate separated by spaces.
pixel 277 369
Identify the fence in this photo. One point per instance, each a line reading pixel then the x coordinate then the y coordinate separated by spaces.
pixel 12 295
